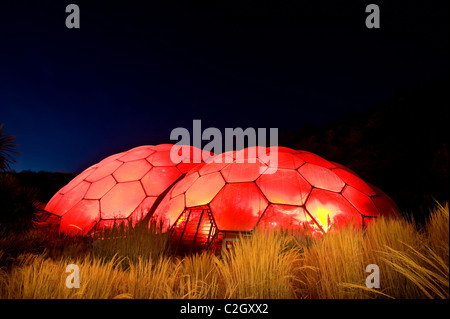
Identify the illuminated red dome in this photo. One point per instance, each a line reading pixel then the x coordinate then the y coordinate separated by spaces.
pixel 217 200
pixel 121 187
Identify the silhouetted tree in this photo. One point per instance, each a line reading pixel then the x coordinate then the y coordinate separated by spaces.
pixel 18 204
pixel 7 150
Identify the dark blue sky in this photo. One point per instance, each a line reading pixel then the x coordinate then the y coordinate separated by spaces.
pixel 132 73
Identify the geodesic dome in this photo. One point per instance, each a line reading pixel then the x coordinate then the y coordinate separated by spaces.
pixel 122 187
pixel 217 200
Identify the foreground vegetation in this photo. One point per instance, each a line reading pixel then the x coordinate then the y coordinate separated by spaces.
pixel 413 263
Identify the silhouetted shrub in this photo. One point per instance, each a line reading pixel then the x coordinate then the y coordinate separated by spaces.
pixel 18 206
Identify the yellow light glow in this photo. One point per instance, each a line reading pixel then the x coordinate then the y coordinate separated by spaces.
pixel 323 218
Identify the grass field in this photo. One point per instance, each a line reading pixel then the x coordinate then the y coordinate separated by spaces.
pixel 413 263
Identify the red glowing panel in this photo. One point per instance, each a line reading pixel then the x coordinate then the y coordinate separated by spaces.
pixel 361 201
pixel 53 202
pixel 104 170
pixel 204 189
pixel 385 204
pixel 286 160
pixel 284 187
pixel 330 209
pixel 281 149
pixel 162 147
pixel 243 172
pixel 109 159
pixel 81 218
pixel 98 189
pixel 354 181
pixel 249 154
pixel 186 167
pixel 321 177
pixel 238 207
pixel 224 158
pixel 141 211
pixel 314 159
pixel 285 217
pixel 182 186
pixel 159 179
pixel 192 154
pixel 132 171
pixel 136 154
pixel 168 211
pixel 71 198
pixel 122 200
pixel 163 159
pixel 76 180
pixel 212 168
pixel 344 168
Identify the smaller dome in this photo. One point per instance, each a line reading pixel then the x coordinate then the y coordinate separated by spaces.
pixel 122 187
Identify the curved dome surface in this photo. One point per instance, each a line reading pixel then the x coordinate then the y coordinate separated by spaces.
pixel 122 187
pixel 223 196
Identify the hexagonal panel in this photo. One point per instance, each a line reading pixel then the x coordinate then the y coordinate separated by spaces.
pixel 132 171
pixel 284 160
pixel 53 202
pixel 284 187
pixel 191 154
pixel 81 218
pixel 72 198
pixel 238 206
pixel 77 180
pixel 314 159
pixel 98 189
pixel 329 208
pixel 285 217
pixel 159 179
pixel 110 159
pixel 162 158
pixel 104 170
pixel 168 211
pixel 183 185
pixel 249 154
pixel 186 167
pixel 122 200
pixel 354 181
pixel 162 147
pixel 209 168
pixel 280 149
pixel 224 158
pixel 385 205
pixel 242 172
pixel 204 189
pixel 142 210
pixel 136 154
pixel 321 177
pixel 360 201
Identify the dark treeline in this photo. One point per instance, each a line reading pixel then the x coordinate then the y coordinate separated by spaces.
pixel 401 145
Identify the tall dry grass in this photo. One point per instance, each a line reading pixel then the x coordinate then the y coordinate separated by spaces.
pixel 136 263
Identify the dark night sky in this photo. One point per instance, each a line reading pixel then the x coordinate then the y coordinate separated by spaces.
pixel 132 73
